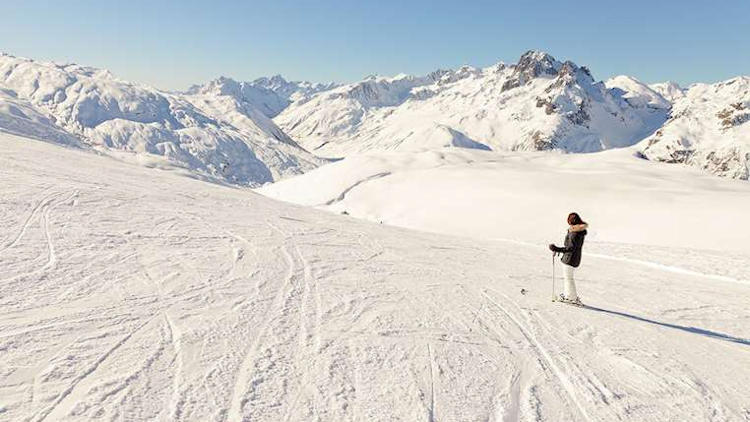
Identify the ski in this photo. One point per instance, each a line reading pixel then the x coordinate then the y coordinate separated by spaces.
pixel 577 303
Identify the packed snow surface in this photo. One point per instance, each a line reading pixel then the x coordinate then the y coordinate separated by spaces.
pixel 136 294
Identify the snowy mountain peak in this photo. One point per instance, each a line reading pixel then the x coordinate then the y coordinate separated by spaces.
pixel 636 93
pixel 532 64
pixel 671 91
pixel 219 86
pixel 270 95
pixel 274 81
pixel 538 103
pixel 378 91
pixel 537 62
pixel 443 76
pixel 570 75
pixel 266 100
pixel 292 90
pixel 736 85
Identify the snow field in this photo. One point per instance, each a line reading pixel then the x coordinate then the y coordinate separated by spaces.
pixel 136 294
pixel 527 196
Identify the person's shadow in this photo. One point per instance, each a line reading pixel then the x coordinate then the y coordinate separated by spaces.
pixel 694 330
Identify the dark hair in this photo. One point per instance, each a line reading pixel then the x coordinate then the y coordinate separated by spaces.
pixel 575 219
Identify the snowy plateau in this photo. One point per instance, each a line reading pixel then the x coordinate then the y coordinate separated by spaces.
pixel 372 251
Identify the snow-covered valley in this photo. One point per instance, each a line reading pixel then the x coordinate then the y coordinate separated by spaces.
pixel 146 295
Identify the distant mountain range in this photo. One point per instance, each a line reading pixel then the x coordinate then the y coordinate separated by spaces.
pixel 251 133
pixel 269 95
pixel 537 104
pixel 210 133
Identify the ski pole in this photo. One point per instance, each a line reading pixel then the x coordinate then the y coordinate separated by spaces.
pixel 553 275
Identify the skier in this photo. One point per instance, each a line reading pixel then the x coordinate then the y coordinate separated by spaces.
pixel 571 258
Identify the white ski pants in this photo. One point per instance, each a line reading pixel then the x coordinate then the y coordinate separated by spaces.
pixel 569 288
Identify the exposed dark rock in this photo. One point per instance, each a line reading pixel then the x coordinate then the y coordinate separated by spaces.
pixel 580 116
pixel 729 118
pixel 532 64
pixel 549 107
pixel 540 142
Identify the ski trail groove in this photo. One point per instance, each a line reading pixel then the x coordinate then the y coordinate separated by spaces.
pixel 564 380
pixel 51 257
pixel 343 194
pixel 41 416
pixel 175 338
pixel 511 412
pixel 44 209
pixel 308 338
pixel 302 331
pixel 431 409
pixel 587 379
pixel 42 203
pixel 243 374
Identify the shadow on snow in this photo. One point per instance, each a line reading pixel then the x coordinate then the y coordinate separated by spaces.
pixel 694 330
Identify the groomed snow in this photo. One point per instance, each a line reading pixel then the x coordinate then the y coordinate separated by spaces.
pixel 136 294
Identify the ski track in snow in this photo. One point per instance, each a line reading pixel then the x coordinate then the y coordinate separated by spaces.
pixel 561 375
pixel 353 186
pixel 149 296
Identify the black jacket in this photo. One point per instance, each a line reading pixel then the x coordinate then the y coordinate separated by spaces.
pixel 572 249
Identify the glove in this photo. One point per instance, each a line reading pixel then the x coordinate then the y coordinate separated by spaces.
pixel 554 248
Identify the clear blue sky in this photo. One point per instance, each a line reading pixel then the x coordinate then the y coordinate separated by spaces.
pixel 172 44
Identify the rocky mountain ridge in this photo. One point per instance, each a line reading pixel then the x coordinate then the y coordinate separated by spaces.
pixel 212 135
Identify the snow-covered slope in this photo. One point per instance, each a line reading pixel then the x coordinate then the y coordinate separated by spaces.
pixel 18 116
pixel 144 296
pixel 265 100
pixel 638 94
pixel 211 135
pixel 671 91
pixel 709 128
pixel 526 196
pixel 537 104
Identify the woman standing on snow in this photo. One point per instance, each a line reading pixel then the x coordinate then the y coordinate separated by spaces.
pixel 571 258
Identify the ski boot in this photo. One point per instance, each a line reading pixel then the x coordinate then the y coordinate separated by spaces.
pixel 576 302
